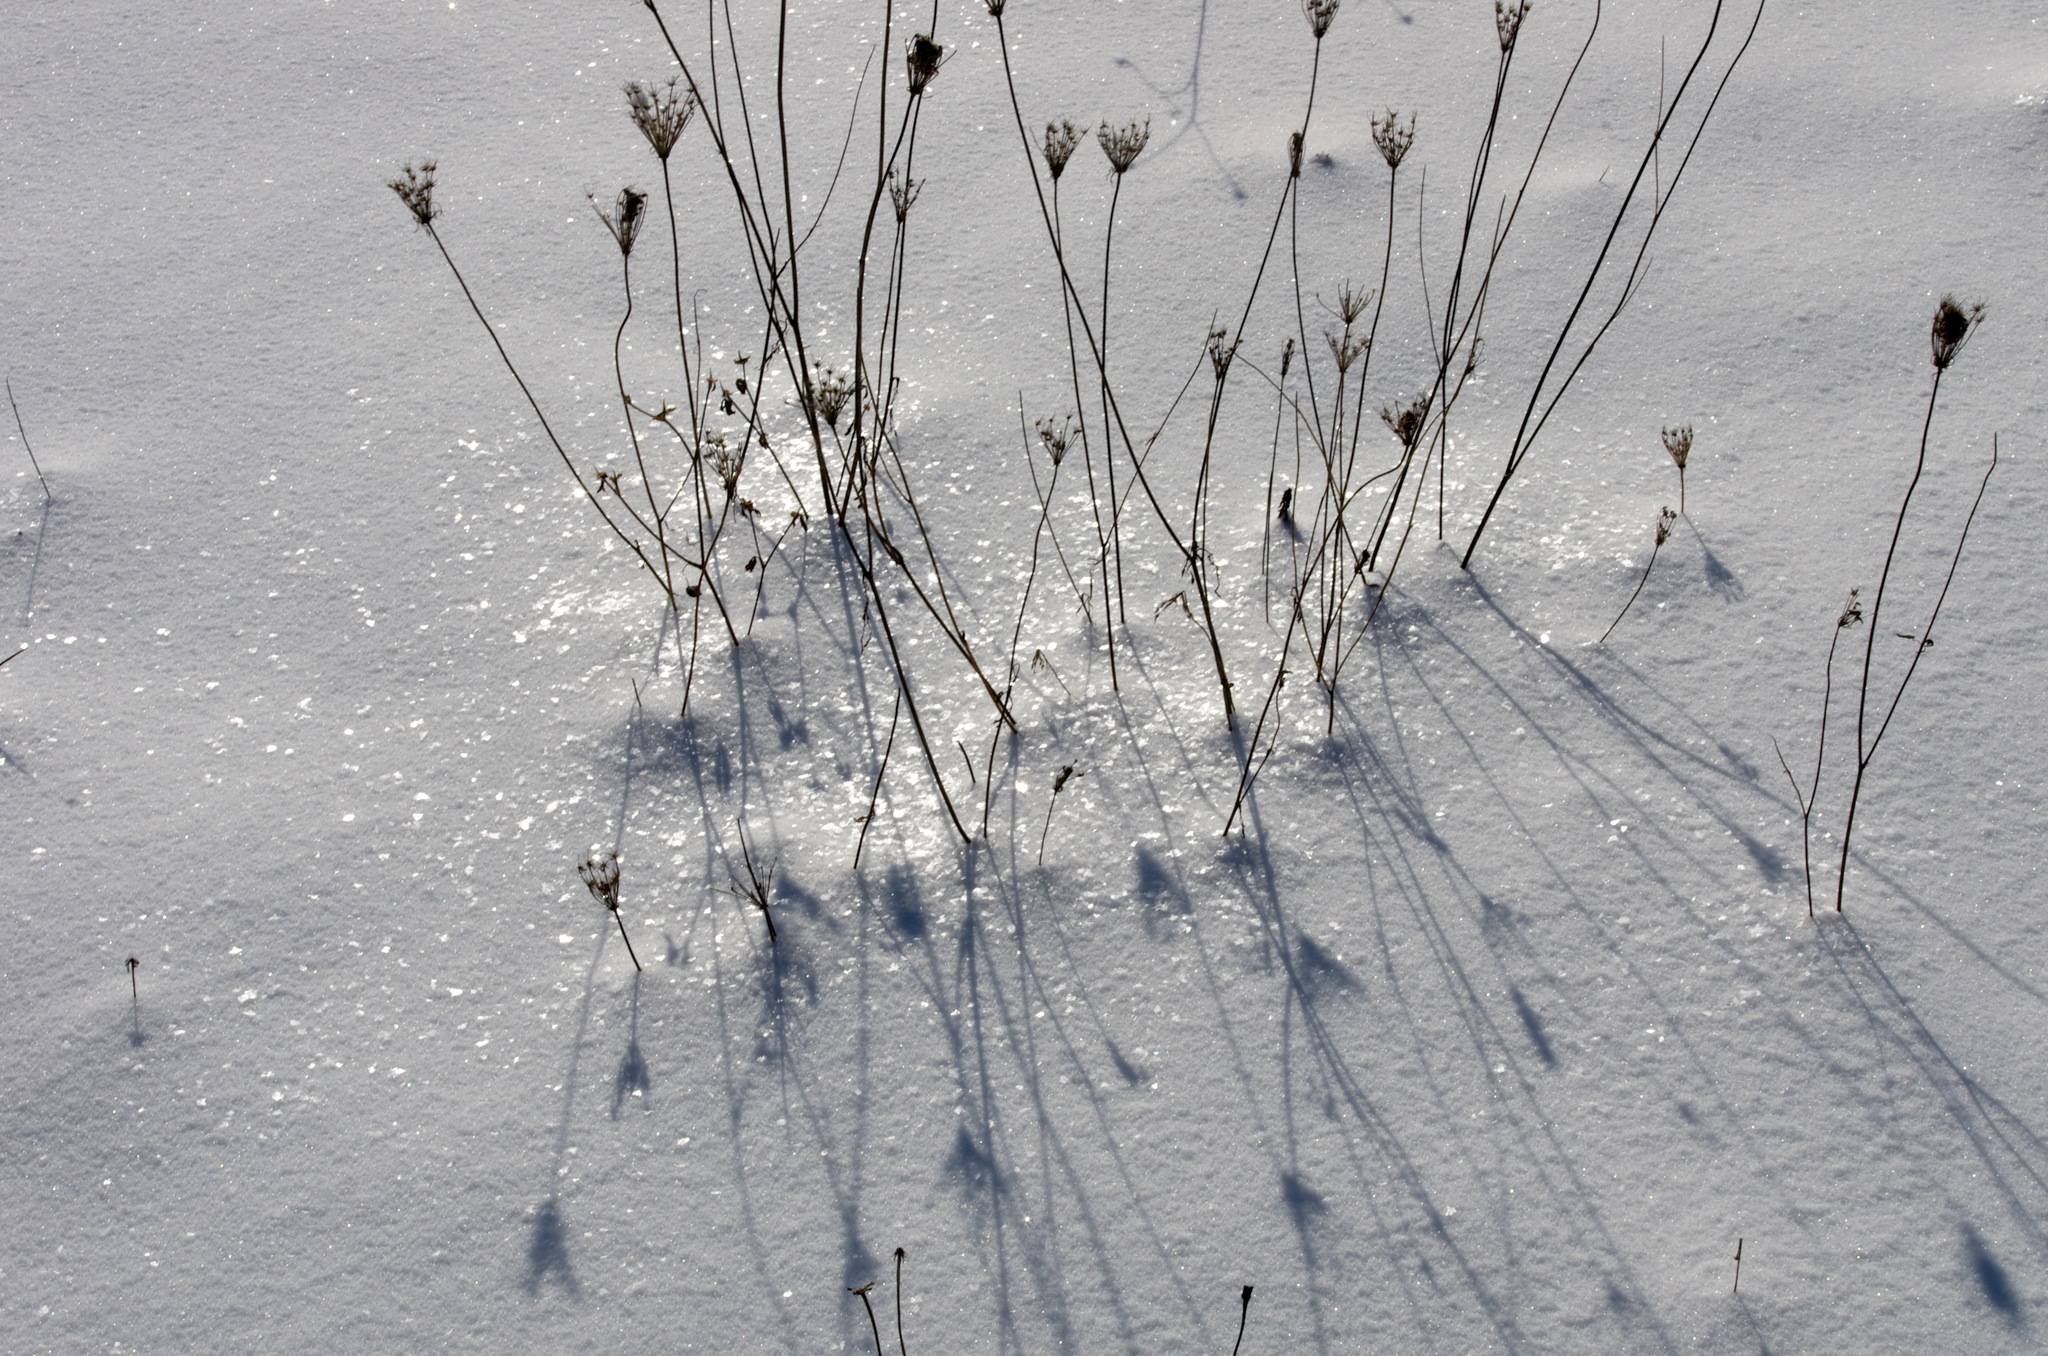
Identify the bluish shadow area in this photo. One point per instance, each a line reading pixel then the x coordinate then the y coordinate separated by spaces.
pixel 1992 1277
pixel 547 1252
pixel 1533 1024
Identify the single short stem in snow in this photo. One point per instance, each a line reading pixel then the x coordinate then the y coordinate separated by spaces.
pixel 1664 521
pixel 1244 1312
pixel 37 466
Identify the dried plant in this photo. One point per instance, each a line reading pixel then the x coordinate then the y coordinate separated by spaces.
pixel 1392 138
pixel 1665 518
pixel 830 390
pixel 600 873
pixel 1061 137
pixel 1059 784
pixel 1678 442
pixel 1507 20
pixel 661 112
pixel 623 218
pixel 1953 325
pixel 1123 144
pixel 415 188
pixel 758 887
pixel 1320 15
pixel 903 196
pixel 922 58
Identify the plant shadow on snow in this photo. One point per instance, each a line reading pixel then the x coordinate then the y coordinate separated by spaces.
pixel 1992 1278
pixel 632 1080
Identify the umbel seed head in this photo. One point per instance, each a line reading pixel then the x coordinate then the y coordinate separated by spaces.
pixel 415 188
pixel 660 112
pixel 1320 14
pixel 1954 323
pixel 921 59
pixel 624 218
pixel 1061 138
pixel 1406 420
pixel 995 11
pixel 1392 138
pixel 1678 442
pixel 600 873
pixel 1122 144
pixel 1507 20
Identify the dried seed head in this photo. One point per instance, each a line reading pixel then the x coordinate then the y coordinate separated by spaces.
pixel 1294 155
pixel 1061 778
pixel 415 188
pixel 660 112
pixel 921 61
pixel 1678 442
pixel 725 465
pixel 1507 20
pixel 1055 437
pixel 1122 144
pixel 995 7
pixel 1346 349
pixel 1061 138
pixel 1852 611
pixel 903 196
pixel 600 873
pixel 1320 15
pixel 624 218
pixel 1392 138
pixel 1954 323
pixel 1351 303
pixel 1664 521
pixel 1407 420
pixel 831 391
pixel 1221 351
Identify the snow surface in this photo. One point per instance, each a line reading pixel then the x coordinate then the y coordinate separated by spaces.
pixel 1500 1026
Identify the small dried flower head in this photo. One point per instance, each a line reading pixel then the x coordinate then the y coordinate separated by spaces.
pixel 1346 349
pixel 1294 155
pixel 1351 303
pixel 1954 323
pixel 995 7
pixel 624 218
pixel 1392 138
pixel 1286 358
pixel 600 872
pixel 415 188
pixel 831 390
pixel 1507 20
pixel 1664 521
pixel 661 112
pixel 726 466
pixel 1061 138
pixel 1406 420
pixel 1678 442
pixel 903 195
pixel 1061 778
pixel 1221 352
pixel 1122 144
pixel 921 61
pixel 1055 437
pixel 1852 611
pixel 1320 14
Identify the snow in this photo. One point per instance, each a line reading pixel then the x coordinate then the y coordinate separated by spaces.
pixel 1495 1030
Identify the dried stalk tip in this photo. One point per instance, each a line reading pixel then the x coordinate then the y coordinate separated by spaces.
pixel 1061 138
pixel 1346 349
pixel 1320 14
pixel 1392 138
pixel 1294 155
pixel 1122 144
pixel 1055 437
pixel 830 390
pixel 1406 420
pixel 1507 21
pixel 903 196
pixel 1954 323
pixel 1852 611
pixel 624 218
pixel 1678 442
pixel 416 190
pixel 921 61
pixel 1664 521
pixel 600 873
pixel 661 113
pixel 995 11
